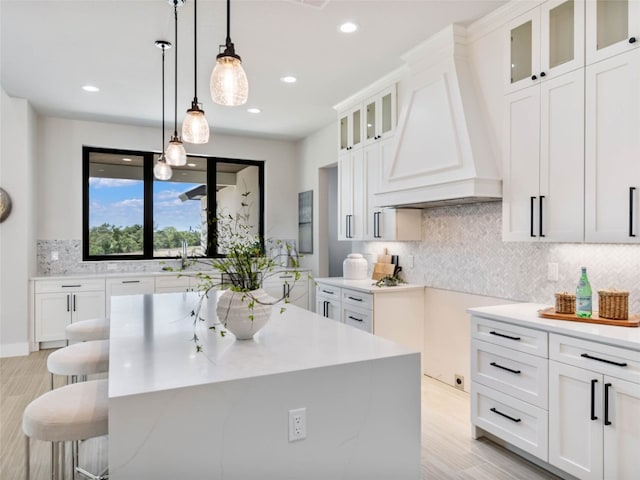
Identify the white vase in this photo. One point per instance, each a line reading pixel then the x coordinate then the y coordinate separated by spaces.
pixel 244 313
pixel 354 267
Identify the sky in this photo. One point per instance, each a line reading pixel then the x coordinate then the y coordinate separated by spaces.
pixel 120 202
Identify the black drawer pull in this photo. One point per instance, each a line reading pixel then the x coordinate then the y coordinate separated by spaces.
pixel 130 281
pixel 533 200
pixel 631 190
pixel 494 364
pixel 355 299
pixel 611 362
pixel 606 404
pixel 71 286
pixel 593 399
pixel 327 291
pixel 356 319
pixel 505 415
pixel 286 276
pixel 504 336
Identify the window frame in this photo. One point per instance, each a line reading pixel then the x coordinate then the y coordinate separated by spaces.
pixel 148 179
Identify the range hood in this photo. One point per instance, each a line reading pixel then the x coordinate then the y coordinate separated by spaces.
pixel 441 153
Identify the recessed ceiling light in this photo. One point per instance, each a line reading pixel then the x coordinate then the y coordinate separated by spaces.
pixel 127 160
pixel 348 27
pixel 253 110
pixel 90 88
pixel 191 164
pixel 289 79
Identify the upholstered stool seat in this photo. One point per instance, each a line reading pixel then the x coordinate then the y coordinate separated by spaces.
pixel 86 330
pixel 80 359
pixel 74 412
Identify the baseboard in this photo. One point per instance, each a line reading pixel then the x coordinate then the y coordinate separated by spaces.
pixel 14 349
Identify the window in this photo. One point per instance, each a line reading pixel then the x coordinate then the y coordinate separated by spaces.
pixel 130 215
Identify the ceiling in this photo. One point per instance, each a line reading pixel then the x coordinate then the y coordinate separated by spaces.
pixel 49 49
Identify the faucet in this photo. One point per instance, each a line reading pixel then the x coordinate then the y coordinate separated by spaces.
pixel 183 257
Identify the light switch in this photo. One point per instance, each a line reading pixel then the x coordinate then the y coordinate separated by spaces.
pixel 552 272
pixel 54 256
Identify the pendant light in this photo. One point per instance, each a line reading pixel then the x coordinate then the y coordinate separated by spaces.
pixel 195 128
pixel 176 154
pixel 229 84
pixel 162 171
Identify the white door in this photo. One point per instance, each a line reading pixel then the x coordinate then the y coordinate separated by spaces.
pixel 521 165
pixel 575 420
pixel 522 51
pixel 621 439
pixel 561 37
pixel 612 27
pixel 372 165
pixel 52 315
pixel 612 155
pixel 561 201
pixel 86 305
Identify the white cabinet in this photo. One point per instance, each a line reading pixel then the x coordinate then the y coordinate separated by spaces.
pixel 543 43
pixel 57 303
pixel 350 129
pixel 613 150
pixel 174 283
pixel 284 285
pixel 543 165
pixel 351 195
pixel 328 303
pixel 128 286
pixel 613 27
pixel 509 383
pixel 380 115
pixel 594 409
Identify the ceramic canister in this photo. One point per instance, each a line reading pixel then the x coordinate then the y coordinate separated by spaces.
pixel 354 267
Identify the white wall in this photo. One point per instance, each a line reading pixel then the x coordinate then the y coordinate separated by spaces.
pixel 17 237
pixel 59 181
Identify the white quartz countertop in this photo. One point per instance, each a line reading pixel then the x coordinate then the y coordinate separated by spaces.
pixel 526 315
pixel 367 285
pixel 159 273
pixel 151 347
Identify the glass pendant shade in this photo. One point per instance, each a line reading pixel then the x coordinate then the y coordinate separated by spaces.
pixel 195 128
pixel 176 155
pixel 162 171
pixel 229 85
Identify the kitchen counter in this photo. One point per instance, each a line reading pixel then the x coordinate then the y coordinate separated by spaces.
pixel 526 315
pixel 224 412
pixel 367 285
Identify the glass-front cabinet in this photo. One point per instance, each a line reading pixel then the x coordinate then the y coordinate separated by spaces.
pixel 613 27
pixel 350 125
pixel 380 115
pixel 545 42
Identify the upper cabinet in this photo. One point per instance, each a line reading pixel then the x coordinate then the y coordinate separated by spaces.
pixel 350 129
pixel 380 115
pixel 545 42
pixel 613 27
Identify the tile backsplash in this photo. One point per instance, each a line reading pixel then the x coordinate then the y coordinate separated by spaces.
pixel 462 250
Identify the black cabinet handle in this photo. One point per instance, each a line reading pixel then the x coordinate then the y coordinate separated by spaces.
pixel 131 281
pixel 494 364
pixel 631 190
pixel 503 335
pixel 611 362
pixel 71 286
pixel 327 291
pixel 494 410
pixel 533 200
pixel 74 303
pixel 68 303
pixel 533 77
pixel 540 217
pixel 325 308
pixel 542 74
pixel 632 39
pixel 593 399
pixel 606 404
pixel 376 225
pixel 356 319
pixel 355 298
pixel 349 232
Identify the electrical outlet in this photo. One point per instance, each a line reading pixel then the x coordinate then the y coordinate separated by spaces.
pixel 552 272
pixel 410 261
pixel 297 424
pixel 458 382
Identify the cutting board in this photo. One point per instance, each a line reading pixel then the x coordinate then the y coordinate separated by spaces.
pixel 632 321
pixel 385 257
pixel 381 270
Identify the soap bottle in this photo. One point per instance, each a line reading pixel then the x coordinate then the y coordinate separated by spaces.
pixel 583 295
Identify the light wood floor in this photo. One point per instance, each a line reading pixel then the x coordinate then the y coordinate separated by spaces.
pixel 448 451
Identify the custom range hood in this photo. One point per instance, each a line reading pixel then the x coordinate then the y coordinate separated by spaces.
pixel 441 153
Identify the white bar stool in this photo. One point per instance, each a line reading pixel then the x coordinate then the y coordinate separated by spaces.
pixel 86 330
pixel 71 413
pixel 79 360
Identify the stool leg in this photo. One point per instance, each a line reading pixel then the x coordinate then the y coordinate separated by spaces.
pixel 63 460
pixel 51 381
pixel 27 455
pixel 54 461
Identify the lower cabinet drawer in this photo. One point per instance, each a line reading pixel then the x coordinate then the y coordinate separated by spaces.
pixel 357 299
pixel 357 318
pixel 517 422
pixel 518 374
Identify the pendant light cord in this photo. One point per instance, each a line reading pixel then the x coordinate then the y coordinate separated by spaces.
pixel 163 49
pixel 175 103
pixel 228 22
pixel 195 51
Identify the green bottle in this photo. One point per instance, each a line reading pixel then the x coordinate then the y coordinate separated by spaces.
pixel 583 296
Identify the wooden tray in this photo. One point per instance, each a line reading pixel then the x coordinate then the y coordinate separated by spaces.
pixel 632 321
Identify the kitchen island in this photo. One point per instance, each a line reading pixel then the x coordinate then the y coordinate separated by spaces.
pixel 224 412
